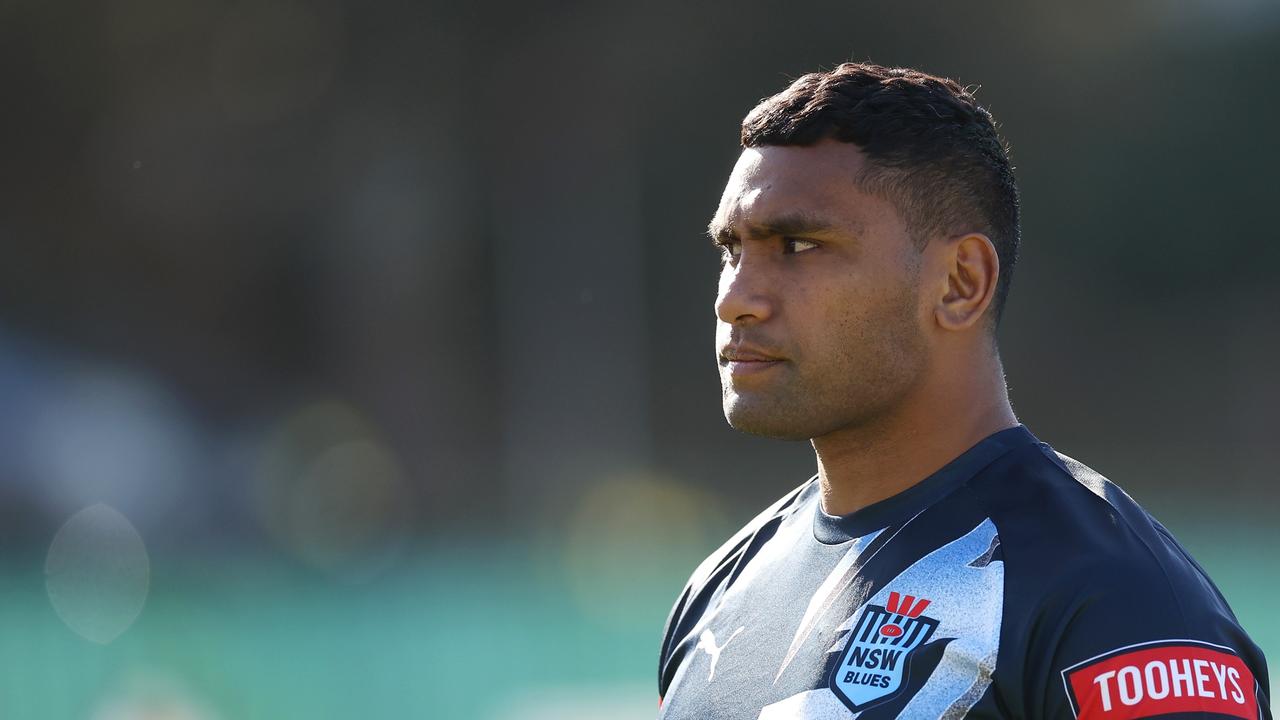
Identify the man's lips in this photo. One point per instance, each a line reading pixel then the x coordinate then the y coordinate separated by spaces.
pixel 745 360
pixel 747 356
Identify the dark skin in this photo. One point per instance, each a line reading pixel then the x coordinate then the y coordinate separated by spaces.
pixel 836 327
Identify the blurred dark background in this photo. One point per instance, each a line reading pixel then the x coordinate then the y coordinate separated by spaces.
pixel 346 346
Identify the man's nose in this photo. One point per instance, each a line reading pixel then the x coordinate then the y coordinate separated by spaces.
pixel 745 295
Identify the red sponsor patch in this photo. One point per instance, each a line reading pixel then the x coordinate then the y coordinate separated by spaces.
pixel 1169 676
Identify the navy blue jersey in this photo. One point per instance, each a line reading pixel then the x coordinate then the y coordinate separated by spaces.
pixel 1014 582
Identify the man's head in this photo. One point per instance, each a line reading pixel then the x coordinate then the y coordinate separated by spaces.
pixel 870 230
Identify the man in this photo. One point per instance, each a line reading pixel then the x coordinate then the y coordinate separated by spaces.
pixel 943 562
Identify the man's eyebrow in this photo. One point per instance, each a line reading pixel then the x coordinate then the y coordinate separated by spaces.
pixel 792 223
pixel 718 231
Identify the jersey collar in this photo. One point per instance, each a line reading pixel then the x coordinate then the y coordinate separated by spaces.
pixel 835 529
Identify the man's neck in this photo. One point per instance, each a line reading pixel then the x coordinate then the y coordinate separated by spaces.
pixel 859 466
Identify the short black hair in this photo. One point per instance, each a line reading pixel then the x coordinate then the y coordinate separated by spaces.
pixel 933 151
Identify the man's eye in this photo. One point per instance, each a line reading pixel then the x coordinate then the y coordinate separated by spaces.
pixel 792 246
pixel 729 250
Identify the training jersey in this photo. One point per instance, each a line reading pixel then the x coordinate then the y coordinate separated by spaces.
pixel 1014 582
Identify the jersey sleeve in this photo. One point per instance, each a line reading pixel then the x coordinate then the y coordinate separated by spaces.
pixel 1151 640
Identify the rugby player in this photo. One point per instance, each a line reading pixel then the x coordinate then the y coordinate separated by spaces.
pixel 943 562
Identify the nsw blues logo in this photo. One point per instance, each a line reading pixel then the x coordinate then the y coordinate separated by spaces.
pixel 874 666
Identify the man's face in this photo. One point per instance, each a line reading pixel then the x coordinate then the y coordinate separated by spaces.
pixel 821 325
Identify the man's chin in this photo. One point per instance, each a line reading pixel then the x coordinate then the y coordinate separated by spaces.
pixel 771 423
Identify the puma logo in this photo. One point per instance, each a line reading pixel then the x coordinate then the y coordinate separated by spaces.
pixel 707 641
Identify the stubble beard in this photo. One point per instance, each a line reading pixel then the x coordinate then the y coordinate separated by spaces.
pixel 864 380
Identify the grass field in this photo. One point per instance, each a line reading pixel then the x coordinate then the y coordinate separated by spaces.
pixel 488 633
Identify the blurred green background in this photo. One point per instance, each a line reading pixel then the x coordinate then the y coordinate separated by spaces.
pixel 356 358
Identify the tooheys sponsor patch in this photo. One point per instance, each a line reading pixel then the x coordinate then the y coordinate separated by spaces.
pixel 1169 676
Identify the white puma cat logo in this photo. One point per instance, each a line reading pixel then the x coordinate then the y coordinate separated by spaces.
pixel 707 641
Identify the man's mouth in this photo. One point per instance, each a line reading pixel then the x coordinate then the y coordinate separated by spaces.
pixel 740 361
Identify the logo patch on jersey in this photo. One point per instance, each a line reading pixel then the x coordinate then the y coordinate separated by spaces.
pixel 1156 678
pixel 875 665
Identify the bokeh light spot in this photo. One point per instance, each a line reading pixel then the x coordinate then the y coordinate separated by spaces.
pixel 152 694
pixel 332 493
pixel 97 573
pixel 629 535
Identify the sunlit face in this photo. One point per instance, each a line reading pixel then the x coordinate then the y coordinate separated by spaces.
pixel 820 319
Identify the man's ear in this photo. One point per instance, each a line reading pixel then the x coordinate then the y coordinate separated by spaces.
pixel 970 268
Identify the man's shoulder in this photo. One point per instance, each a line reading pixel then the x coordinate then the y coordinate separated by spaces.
pixel 1072 538
pixel 1095 585
pixel 1055 508
pixel 1078 546
pixel 717 571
